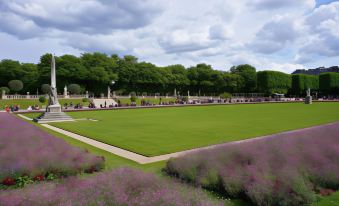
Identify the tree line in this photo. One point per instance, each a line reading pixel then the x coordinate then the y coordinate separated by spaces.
pixel 94 72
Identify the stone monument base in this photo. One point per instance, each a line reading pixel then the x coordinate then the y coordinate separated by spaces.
pixel 54 108
pixel 308 100
pixel 53 114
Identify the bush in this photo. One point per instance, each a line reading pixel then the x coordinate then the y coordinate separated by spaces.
pixel 6 89
pixel 84 99
pixel 133 97
pixel 74 88
pixel 225 95
pixel 284 169
pixel 46 88
pixel 15 85
pixel 118 187
pixel 42 99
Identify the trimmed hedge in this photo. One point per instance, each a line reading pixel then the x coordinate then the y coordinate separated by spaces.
pixel 329 83
pixel 270 82
pixel 301 82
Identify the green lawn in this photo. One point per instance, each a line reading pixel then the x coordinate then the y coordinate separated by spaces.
pixel 25 103
pixel 332 200
pixel 159 131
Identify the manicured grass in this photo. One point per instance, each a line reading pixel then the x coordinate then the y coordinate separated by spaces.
pixel 159 131
pixel 332 200
pixel 25 103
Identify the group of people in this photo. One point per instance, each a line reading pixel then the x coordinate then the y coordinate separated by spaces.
pixel 71 105
pixel 33 107
pixel 11 108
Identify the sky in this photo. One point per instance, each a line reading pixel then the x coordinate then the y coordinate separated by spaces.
pixel 281 35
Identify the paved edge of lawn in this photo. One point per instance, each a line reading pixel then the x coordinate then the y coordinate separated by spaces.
pixel 145 160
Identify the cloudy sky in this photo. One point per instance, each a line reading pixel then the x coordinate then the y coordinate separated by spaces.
pixel 270 34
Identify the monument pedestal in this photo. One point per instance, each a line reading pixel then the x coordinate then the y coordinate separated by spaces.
pixel 53 114
pixel 308 100
pixel 54 108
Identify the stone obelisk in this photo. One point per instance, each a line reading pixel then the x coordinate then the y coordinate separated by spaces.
pixel 53 111
pixel 53 103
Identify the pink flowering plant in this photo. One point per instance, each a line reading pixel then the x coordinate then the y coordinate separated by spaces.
pixel 28 153
pixel 284 169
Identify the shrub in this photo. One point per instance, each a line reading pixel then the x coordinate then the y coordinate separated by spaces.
pixel 45 88
pixel 122 186
pixel 26 150
pixel 283 169
pixel 42 99
pixel 225 95
pixel 15 85
pixel 84 99
pixel 74 88
pixel 133 97
pixel 6 89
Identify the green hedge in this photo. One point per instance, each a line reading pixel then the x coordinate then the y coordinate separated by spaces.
pixel 270 82
pixel 301 82
pixel 329 83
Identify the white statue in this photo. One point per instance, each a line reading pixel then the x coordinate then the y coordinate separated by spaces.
pixel 53 97
pixel 65 91
pixel 108 92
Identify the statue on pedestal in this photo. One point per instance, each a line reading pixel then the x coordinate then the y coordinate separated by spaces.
pixel 53 111
pixel 308 98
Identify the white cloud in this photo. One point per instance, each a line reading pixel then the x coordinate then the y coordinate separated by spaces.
pixel 279 34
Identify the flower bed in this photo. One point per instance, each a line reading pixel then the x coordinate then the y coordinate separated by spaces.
pixel 285 169
pixel 28 154
pixel 117 187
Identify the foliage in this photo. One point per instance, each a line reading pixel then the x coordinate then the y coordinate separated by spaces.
pixel 28 151
pixel 74 88
pixel 46 88
pixel 329 83
pixel 271 82
pixel 6 89
pixel 225 95
pixel 42 99
pixel 301 82
pixel 284 169
pixel 249 75
pixel 133 97
pixel 84 99
pixel 15 85
pixel 122 186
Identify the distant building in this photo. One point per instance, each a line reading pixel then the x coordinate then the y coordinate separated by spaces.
pixel 317 71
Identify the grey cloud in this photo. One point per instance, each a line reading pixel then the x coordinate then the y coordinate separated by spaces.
pixel 91 17
pixel 323 26
pixel 278 4
pixel 274 35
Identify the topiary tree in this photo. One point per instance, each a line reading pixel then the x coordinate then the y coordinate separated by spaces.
pixel 74 88
pixel 133 97
pixel 15 85
pixel 225 95
pixel 45 88
pixel 6 89
pixel 42 99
